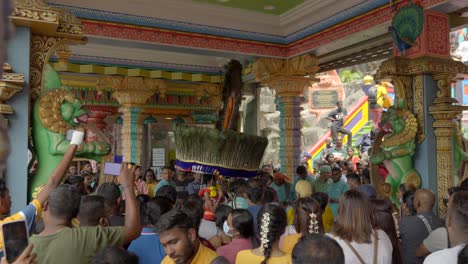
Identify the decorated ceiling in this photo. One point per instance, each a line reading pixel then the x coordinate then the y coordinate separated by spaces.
pixel 275 7
pixel 201 36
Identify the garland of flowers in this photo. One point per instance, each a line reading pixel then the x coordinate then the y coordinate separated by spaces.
pixel 313 227
pixel 264 231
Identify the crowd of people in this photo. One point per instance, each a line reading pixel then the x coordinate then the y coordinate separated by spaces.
pixel 333 216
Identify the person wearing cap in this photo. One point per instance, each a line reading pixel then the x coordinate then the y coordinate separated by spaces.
pixel 323 182
pixel 282 187
pixel 337 117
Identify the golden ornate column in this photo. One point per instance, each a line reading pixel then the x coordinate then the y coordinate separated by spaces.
pixel 10 84
pixel 288 78
pixel 132 93
pixel 408 75
pixel 445 111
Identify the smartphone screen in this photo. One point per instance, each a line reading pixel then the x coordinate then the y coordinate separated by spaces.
pixel 112 168
pixel 15 239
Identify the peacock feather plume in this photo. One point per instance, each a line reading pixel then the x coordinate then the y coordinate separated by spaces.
pixel 207 149
pixel 407 25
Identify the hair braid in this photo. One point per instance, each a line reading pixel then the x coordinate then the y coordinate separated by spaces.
pixel 272 223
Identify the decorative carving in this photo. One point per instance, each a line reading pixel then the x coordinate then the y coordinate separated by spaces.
pixel 214 92
pixel 50 110
pixel 445 113
pixel 63 52
pixel 130 91
pixel 35 10
pixel 41 49
pixel 54 112
pixel 419 106
pixel 421 65
pixel 68 23
pixel 399 127
pixel 10 84
pixel 269 68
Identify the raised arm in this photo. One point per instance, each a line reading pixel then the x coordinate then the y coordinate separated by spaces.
pixel 57 175
pixel 132 215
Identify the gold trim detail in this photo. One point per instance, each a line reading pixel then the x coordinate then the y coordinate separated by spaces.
pixel 35 10
pixel 419 107
pixel 41 48
pixel 50 110
pixel 445 112
pixel 407 135
pixel 131 91
pixel 10 84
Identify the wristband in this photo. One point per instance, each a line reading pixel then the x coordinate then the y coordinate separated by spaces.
pixel 77 137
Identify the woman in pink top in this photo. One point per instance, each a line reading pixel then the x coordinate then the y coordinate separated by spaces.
pixel 140 185
pixel 239 225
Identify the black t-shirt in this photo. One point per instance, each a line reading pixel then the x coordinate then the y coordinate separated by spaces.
pixel 337 115
pixel 181 188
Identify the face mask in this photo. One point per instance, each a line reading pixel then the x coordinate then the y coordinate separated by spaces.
pixel 226 229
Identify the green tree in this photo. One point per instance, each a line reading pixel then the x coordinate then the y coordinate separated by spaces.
pixel 349 76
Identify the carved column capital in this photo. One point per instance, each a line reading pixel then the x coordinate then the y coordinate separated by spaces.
pixel 131 91
pixel 288 77
pixel 214 92
pixel 10 84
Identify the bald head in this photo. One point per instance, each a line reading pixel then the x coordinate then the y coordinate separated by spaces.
pixel 424 200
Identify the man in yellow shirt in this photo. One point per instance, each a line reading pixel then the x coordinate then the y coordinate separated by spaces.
pixel 32 213
pixel 178 235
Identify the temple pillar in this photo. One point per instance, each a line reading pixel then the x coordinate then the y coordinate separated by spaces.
pixel 445 114
pixel 423 76
pixel 132 93
pixel 288 78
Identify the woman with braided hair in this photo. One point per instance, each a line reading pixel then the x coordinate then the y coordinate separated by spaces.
pixel 272 223
pixel 308 220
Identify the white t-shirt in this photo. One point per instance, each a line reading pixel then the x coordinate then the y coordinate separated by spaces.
pixel 437 240
pixel 463 50
pixel 207 229
pixel 366 251
pixel 449 255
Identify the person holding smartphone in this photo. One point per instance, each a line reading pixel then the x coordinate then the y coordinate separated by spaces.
pixel 60 243
pixel 32 212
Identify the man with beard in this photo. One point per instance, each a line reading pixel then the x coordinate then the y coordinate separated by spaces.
pixel 178 235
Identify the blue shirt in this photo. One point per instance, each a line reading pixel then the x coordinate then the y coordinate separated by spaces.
pixel 147 247
pixel 160 184
pixel 336 190
pixel 280 192
pixel 254 209
pixel 194 187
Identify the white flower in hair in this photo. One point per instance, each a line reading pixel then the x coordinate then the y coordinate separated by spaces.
pixel 313 226
pixel 264 231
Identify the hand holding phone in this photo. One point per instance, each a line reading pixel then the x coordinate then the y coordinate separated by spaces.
pixel 127 172
pixel 25 258
pixel 15 239
pixel 112 168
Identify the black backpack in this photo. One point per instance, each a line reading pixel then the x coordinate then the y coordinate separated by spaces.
pixel 372 97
